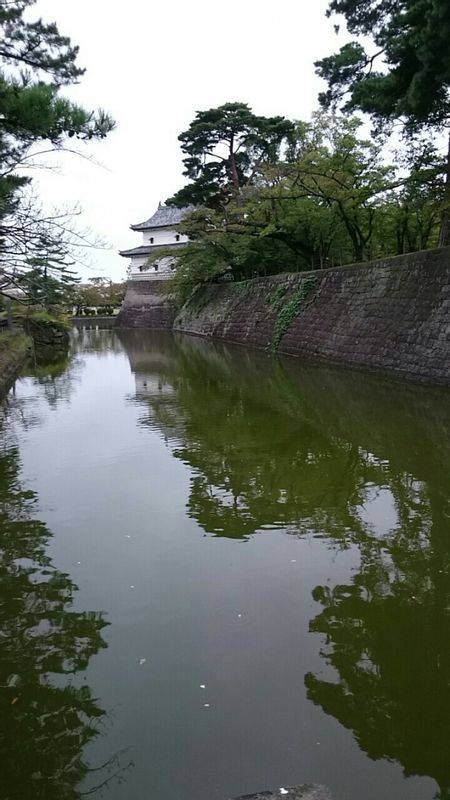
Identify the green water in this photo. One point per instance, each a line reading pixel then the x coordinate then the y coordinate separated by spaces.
pixel 221 574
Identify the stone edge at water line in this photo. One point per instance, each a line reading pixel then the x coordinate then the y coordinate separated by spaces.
pixel 311 791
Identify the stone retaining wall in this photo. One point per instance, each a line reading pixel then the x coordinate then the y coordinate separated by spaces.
pixel 147 304
pixel 391 315
pixel 97 321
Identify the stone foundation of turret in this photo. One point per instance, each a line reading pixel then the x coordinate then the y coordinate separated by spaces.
pixel 147 304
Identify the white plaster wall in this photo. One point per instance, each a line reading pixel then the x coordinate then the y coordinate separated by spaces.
pixel 162 237
pixel 166 269
pixel 133 266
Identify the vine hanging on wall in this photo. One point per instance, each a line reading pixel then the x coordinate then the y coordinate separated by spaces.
pixel 288 312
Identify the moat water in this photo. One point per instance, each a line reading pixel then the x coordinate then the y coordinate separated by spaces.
pixel 221 573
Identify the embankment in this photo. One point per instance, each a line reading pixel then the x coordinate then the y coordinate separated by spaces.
pixel 14 349
pixel 147 304
pixel 99 321
pixel 391 315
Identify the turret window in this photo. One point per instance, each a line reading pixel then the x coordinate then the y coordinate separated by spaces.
pixel 151 240
pixel 177 237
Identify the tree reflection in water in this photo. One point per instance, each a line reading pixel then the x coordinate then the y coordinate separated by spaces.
pixel 387 636
pixel 312 450
pixel 48 715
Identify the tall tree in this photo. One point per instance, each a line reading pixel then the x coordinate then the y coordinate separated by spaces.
pixel 329 198
pixel 338 170
pixel 35 62
pixel 46 290
pixel 412 82
pixel 222 147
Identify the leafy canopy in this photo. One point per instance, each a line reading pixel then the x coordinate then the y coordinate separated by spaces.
pixel 222 148
pixel 329 198
pixel 412 81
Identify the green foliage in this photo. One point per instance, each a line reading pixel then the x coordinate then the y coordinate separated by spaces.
pixel 412 83
pixel 222 147
pixel 50 336
pixel 11 341
pixel 411 38
pixel 46 320
pixel 333 182
pixel 35 61
pixel 14 348
pixel 275 300
pixel 329 198
pixel 47 290
pixel 102 293
pixel 286 313
pixel 36 44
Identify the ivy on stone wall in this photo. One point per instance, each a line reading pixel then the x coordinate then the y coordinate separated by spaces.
pixel 289 311
pixel 276 298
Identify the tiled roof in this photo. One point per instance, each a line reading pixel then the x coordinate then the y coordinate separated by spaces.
pixel 147 249
pixel 164 217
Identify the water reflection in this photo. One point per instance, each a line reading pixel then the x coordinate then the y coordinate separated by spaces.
pixel 355 460
pixel 55 382
pixel 272 445
pixel 48 714
pixel 387 636
pixel 94 339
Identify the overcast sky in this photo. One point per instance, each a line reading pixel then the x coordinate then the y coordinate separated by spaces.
pixel 152 65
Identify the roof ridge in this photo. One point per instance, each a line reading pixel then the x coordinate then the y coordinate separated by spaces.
pixel 164 216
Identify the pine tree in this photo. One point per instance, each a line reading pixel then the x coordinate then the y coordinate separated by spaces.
pixel 35 62
pixel 222 147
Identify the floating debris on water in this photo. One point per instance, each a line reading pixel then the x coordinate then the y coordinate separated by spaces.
pixel 142 661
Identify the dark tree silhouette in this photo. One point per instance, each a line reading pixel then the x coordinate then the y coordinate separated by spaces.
pixel 47 715
pixel 387 636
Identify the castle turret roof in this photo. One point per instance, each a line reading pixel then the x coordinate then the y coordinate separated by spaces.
pixel 149 249
pixel 164 217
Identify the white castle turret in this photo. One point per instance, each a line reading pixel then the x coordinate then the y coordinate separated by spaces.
pixel 159 233
pixel 149 301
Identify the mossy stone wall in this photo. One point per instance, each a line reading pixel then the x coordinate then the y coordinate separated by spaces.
pixel 391 315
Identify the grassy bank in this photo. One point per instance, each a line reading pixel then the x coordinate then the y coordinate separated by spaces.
pixel 14 348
